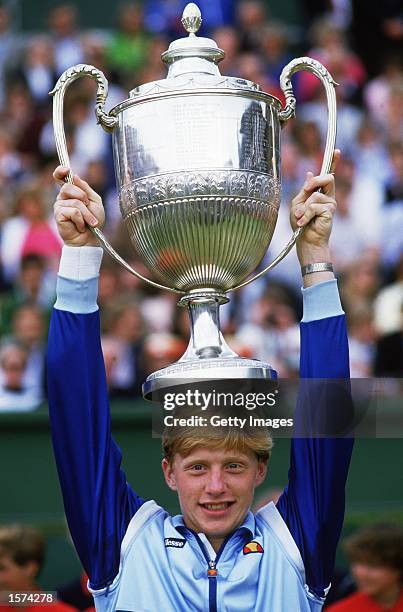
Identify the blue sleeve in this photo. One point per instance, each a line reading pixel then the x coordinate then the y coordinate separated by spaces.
pixel 312 504
pixel 99 504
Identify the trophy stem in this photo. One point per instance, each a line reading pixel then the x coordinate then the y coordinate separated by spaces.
pixel 208 356
pixel 206 340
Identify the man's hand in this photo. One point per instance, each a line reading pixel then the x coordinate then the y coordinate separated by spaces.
pixel 314 212
pixel 77 207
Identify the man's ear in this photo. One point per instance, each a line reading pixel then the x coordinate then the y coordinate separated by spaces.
pixel 261 472
pixel 169 474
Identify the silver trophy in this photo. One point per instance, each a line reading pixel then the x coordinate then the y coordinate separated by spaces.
pixel 197 162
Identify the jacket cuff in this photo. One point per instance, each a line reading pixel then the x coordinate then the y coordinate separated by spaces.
pixel 321 301
pixel 79 297
pixel 77 282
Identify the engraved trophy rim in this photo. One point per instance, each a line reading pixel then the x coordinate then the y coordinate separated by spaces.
pixel 197 91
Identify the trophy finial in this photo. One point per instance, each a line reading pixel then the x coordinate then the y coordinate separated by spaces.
pixel 191 18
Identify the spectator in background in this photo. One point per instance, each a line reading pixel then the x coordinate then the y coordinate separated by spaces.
pixel 376 557
pixel 157 309
pixel 154 69
pixel 112 350
pixel 381 22
pixel 88 141
pixel 349 117
pixel 30 231
pixel 28 328
pixel 11 163
pixel 272 333
pixel 388 303
pixel 394 114
pixel 287 272
pixel 37 71
pixel 360 283
pixel 365 200
pixel 22 555
pixel 362 341
pixel 348 241
pixel 32 286
pixel 307 137
pixel 330 48
pixel 128 49
pixel 251 17
pixel 227 38
pixel 123 350
pixel 15 394
pixel 389 353
pixel 67 43
pixel 274 45
pixel 24 122
pixel 377 92
pixel 392 213
pixel 394 187
pixel 9 48
pixel 109 285
pixel 251 67
pixel 161 349
pixel 370 153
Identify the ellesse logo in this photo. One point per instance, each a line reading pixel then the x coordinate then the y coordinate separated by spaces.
pixel 252 547
pixel 174 543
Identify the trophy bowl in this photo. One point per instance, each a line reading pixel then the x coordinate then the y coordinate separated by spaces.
pixel 199 184
pixel 197 163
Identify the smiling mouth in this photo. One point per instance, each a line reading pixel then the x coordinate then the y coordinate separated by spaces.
pixel 217 507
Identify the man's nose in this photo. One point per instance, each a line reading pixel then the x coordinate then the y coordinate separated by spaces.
pixel 216 483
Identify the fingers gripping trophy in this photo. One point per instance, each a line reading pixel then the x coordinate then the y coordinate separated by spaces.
pixel 197 162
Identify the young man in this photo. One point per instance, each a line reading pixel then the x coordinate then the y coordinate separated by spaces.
pixel 216 556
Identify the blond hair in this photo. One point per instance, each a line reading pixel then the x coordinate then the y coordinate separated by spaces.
pixel 183 440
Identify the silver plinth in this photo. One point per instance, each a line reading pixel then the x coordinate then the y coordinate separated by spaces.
pixel 197 160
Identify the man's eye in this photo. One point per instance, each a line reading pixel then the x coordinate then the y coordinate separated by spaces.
pixel 234 466
pixel 197 467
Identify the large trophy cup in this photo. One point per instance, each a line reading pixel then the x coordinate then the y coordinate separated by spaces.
pixel 197 161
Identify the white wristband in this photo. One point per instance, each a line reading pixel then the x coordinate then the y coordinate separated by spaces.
pixel 80 263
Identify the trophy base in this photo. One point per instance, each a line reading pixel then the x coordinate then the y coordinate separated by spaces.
pixel 229 370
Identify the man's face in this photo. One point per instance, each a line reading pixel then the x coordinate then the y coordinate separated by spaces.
pixel 215 488
pixel 374 580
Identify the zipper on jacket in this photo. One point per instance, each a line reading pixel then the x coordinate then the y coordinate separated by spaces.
pixel 212 571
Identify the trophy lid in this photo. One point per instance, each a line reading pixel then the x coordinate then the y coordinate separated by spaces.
pixel 194 53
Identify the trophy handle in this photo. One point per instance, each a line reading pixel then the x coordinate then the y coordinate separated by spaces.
pixel 316 68
pixel 108 122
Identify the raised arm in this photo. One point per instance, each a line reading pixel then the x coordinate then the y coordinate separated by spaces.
pixel 312 504
pixel 98 502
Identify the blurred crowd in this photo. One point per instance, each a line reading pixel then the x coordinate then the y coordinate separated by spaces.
pixel 142 328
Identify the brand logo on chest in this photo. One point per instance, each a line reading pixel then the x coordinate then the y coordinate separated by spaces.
pixel 174 542
pixel 252 547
